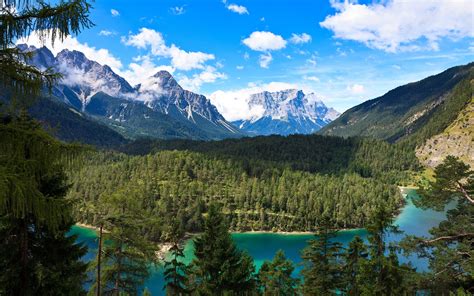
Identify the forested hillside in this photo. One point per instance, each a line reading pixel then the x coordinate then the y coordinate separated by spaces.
pixel 417 110
pixel 267 183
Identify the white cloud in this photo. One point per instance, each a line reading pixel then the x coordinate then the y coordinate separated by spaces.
pixel 114 12
pixel 264 41
pixel 246 56
pixel 312 60
pixel 209 75
pixel 101 55
pixel 311 78
pixel 141 68
pixel 180 59
pixel 177 10
pixel 399 25
pixel 237 8
pixel 356 88
pixel 106 33
pixel 239 67
pixel 233 104
pixel 262 19
pixel 300 39
pixel 265 60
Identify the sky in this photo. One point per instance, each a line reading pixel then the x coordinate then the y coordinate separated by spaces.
pixel 344 51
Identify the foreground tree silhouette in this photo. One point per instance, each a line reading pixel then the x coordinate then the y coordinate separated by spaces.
pixel 381 274
pixel 36 256
pixel 450 248
pixel 354 257
pixel 127 254
pixel 275 277
pixel 175 270
pixel 219 268
pixel 322 263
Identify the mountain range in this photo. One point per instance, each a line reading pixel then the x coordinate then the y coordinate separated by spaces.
pixel 159 107
pixel 287 112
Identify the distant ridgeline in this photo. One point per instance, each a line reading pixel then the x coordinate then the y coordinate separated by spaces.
pixel 440 105
pixel 263 183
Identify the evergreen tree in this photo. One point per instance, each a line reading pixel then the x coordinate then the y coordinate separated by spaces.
pixel 175 270
pixel 219 268
pixel 126 253
pixel 450 247
pixel 382 275
pixel 322 263
pixel 36 256
pixel 275 277
pixel 355 255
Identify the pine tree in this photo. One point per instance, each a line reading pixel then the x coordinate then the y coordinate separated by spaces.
pixel 36 256
pixel 322 263
pixel 449 249
pixel 382 275
pixel 175 270
pixel 275 277
pixel 220 268
pixel 355 255
pixel 126 253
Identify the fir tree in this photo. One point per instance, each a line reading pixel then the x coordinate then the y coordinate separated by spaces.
pixel 449 249
pixel 219 268
pixel 322 263
pixel 175 270
pixel 127 253
pixel 382 275
pixel 275 277
pixel 355 255
pixel 36 256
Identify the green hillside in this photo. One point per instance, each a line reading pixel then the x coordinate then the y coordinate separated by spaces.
pixel 406 112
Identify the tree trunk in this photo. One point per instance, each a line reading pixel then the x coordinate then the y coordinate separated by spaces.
pixel 99 256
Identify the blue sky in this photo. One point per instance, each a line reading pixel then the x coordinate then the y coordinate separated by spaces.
pixel 347 52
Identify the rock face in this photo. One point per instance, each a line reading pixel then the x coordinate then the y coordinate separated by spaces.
pixel 158 107
pixel 287 112
pixel 456 140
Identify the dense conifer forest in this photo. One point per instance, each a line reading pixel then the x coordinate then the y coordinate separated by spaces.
pixel 267 183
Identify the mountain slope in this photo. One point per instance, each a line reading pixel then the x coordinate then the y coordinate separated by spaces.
pixel 159 107
pixel 287 112
pixel 402 111
pixel 458 137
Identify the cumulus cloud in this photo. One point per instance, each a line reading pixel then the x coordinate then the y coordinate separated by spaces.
pixel 233 104
pixel 300 39
pixel 356 88
pixel 264 41
pixel 180 59
pixel 177 10
pixel 101 55
pixel 141 68
pixel 398 25
pixel 114 12
pixel 209 75
pixel 237 8
pixel 265 60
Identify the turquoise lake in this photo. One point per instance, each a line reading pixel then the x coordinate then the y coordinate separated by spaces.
pixel 262 246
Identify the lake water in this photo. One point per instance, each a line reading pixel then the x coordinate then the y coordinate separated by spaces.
pixel 263 246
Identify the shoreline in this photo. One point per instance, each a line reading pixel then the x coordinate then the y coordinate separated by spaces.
pixel 191 235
